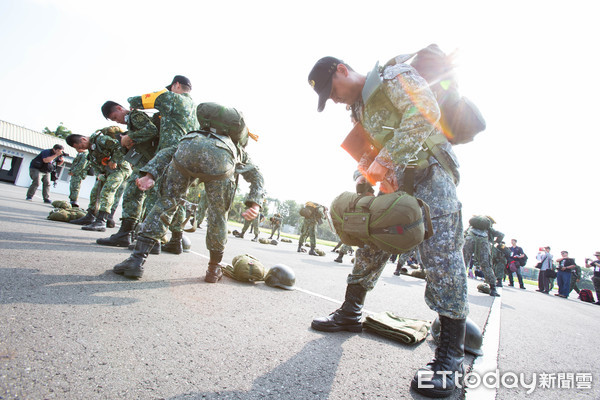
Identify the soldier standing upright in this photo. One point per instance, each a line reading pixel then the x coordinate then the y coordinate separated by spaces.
pixel 141 140
pixel 177 118
pixel 478 241
pixel 313 214
pixel 399 112
pixel 215 155
pixel 78 172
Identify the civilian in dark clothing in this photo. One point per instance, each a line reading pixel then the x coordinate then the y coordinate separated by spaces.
pixel 41 167
pixel 563 275
pixel 516 254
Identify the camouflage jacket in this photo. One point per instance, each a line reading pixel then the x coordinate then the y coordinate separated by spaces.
pixel 178 114
pixel 412 99
pixel 144 134
pixel 80 165
pixel 103 149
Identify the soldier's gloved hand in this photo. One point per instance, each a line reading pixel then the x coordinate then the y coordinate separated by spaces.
pixel 101 178
pixel 145 182
pixel 251 212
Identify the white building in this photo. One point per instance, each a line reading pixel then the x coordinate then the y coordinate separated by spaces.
pixel 18 146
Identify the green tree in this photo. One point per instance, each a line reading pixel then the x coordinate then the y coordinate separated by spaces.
pixel 61 131
pixel 290 212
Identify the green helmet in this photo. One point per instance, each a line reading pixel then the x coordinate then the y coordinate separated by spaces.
pixel 245 268
pixel 473 336
pixel 281 276
pixel 274 242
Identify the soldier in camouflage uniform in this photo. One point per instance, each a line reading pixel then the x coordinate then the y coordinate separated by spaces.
pixel 106 159
pixel 78 172
pixel 276 225
pixel 344 249
pixel 312 219
pixel 414 110
pixel 177 118
pixel 217 161
pixel 140 142
pixel 500 256
pixel 253 225
pixel 478 242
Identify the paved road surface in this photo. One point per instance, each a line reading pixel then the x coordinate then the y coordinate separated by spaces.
pixel 71 329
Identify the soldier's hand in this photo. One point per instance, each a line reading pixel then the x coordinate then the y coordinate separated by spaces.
pixel 112 165
pixel 101 177
pixel 126 142
pixel 377 171
pixel 145 182
pixel 251 212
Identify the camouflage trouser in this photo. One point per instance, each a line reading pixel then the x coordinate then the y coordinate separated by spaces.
pixel 107 196
pixel 309 230
pixel 133 199
pixel 441 257
pixel 202 206
pixel 500 270
pixel 119 194
pixel 276 228
pixel 254 224
pixel 74 187
pixel 345 249
pixel 172 188
pixel 478 248
pixel 152 197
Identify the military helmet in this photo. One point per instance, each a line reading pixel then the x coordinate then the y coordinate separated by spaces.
pixel 247 268
pixel 281 276
pixel 186 243
pixel 473 336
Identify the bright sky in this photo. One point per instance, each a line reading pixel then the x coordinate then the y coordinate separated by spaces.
pixel 532 68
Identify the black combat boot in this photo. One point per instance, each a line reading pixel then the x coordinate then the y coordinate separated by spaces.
pixel 255 239
pixel 133 266
pixel 449 356
pixel 340 258
pixel 493 291
pixel 74 204
pixel 110 222
pixel 312 252
pixel 86 219
pixel 174 245
pixel 214 273
pixel 99 225
pixel 347 317
pixel 123 237
pixel 499 283
pixel 301 249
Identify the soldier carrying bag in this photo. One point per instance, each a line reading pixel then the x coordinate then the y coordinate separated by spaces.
pixel 395 222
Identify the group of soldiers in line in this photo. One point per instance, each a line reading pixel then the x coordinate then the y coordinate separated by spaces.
pixel 154 163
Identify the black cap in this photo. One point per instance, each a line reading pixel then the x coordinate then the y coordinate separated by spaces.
pixel 320 78
pixel 180 79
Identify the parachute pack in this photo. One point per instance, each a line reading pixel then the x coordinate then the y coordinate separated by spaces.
pixel 223 120
pixel 394 222
pixel 460 118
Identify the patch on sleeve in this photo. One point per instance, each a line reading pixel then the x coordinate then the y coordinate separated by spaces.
pixel 149 99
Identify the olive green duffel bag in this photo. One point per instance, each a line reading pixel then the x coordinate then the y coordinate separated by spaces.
pixel 394 222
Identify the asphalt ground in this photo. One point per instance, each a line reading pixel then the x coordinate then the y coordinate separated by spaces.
pixel 71 329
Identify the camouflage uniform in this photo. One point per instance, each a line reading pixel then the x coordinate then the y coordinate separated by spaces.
pixel 178 117
pixel 441 254
pixel 477 246
pixel 192 155
pixel 79 169
pixel 103 147
pixel 276 226
pixel 500 257
pixel 309 227
pixel 144 133
pixel 253 226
